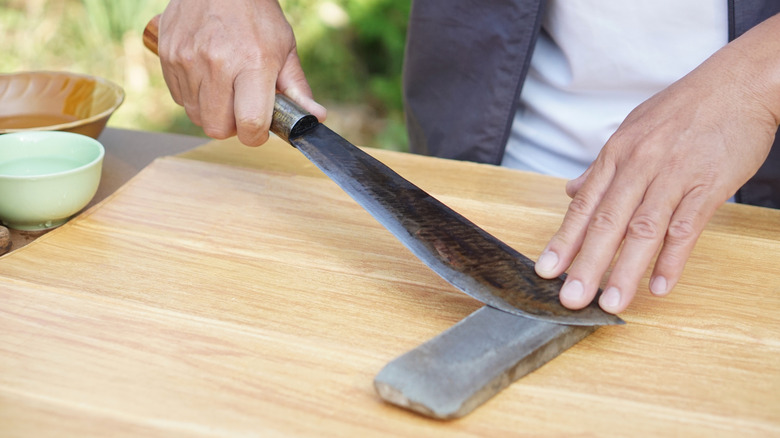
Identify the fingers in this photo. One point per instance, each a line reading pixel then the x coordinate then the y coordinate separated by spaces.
pixel 253 115
pixel 600 223
pixel 656 183
pixel 243 107
pixel 684 228
pixel 633 221
pixel 253 111
pixel 214 106
pixel 563 246
pixel 176 60
pixel 225 65
pixel 292 83
pixel 644 234
pixel 574 186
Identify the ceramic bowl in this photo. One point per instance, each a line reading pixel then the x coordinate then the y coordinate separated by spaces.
pixel 57 101
pixel 46 177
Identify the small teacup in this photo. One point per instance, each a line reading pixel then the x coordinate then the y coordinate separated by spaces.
pixel 46 177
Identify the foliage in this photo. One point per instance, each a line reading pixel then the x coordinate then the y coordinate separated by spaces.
pixel 351 51
pixel 356 61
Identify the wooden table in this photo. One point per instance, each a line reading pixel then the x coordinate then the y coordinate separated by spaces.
pixel 127 152
pixel 233 291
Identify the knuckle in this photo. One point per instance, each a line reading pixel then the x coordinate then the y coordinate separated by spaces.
pixel 255 59
pixel 604 220
pixel 193 112
pixel 218 59
pixel 681 230
pixel 580 206
pixel 253 139
pixel 252 133
pixel 218 132
pixel 251 123
pixel 180 57
pixel 185 61
pixel 643 228
pixel 218 63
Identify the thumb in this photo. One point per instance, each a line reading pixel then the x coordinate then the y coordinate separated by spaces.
pixel 292 83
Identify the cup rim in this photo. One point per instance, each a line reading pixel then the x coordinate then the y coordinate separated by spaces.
pixel 81 137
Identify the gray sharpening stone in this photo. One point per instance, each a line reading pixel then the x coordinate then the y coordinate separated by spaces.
pixel 458 370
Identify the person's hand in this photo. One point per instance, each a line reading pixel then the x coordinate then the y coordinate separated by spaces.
pixel 659 179
pixel 223 61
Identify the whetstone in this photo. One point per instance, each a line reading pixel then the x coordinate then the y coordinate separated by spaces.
pixel 458 370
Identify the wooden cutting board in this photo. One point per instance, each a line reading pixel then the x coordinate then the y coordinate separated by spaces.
pixel 233 291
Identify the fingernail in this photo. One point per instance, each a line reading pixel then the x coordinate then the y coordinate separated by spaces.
pixel 610 299
pixel 572 291
pixel 547 262
pixel 658 286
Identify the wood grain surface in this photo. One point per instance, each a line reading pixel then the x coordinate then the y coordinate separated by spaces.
pixel 236 291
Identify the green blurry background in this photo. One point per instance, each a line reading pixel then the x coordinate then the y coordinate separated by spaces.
pixel 351 51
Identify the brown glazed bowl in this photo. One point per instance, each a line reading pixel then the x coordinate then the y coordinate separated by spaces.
pixel 57 101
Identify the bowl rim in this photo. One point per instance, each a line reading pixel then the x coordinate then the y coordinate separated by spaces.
pixel 88 139
pixel 119 97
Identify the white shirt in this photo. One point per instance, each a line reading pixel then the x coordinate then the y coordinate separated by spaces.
pixel 595 61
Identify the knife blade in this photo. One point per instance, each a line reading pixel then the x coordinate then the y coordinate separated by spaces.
pixel 459 251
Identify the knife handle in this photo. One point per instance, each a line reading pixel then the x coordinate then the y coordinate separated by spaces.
pixel 152 34
pixel 289 119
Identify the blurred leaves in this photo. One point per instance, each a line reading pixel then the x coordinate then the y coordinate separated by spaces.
pixel 115 19
pixel 351 50
pixel 357 62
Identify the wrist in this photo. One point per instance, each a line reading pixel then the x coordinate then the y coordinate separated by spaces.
pixel 753 57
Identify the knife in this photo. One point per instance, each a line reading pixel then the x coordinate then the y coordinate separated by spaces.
pixel 452 246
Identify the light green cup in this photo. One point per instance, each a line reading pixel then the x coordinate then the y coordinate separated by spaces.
pixel 46 177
